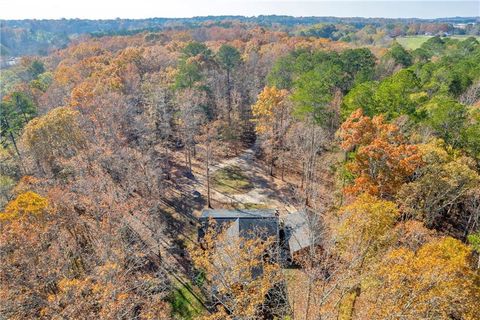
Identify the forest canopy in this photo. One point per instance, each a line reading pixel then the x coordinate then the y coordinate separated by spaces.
pixel 112 144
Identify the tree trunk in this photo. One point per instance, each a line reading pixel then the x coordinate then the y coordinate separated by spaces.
pixel 167 162
pixel 357 291
pixel 186 156
pixel 229 100
pixel 280 144
pixel 303 176
pixel 189 160
pixel 309 298
pixel 310 168
pixel 272 163
pixel 344 181
pixel 18 153
pixel 209 204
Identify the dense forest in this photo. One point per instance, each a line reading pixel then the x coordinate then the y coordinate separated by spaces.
pixel 112 143
pixel 39 37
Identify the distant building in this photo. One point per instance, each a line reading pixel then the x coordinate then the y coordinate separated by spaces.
pixel 463 26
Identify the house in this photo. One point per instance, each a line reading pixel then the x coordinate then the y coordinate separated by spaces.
pixel 463 26
pixel 243 222
pixel 236 225
pixel 292 237
pixel 292 232
pixel 298 233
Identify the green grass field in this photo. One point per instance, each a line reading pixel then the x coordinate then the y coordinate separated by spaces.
pixel 231 180
pixel 414 42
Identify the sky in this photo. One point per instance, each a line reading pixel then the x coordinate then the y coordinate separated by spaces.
pixel 135 9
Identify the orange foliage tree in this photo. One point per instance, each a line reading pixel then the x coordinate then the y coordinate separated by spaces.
pixel 383 160
pixel 56 265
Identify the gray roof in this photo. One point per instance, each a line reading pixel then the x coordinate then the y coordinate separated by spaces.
pixel 299 232
pixel 246 222
pixel 262 223
pixel 238 213
pixel 239 223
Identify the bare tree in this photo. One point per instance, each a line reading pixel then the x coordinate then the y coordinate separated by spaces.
pixel 472 95
pixel 191 117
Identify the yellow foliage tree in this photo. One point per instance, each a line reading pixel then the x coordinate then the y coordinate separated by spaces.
pixel 363 234
pixel 441 185
pixel 28 203
pixel 436 282
pixel 271 115
pixel 54 135
pixel 240 271
pixel 23 228
pixel 269 108
pixel 365 225
pixel 103 295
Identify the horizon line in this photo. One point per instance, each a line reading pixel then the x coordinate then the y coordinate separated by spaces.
pixel 241 16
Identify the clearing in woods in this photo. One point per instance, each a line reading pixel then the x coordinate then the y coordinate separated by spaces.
pixel 415 42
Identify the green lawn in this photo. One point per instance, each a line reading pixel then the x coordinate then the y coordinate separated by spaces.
pixel 231 180
pixel 414 42
pixel 184 304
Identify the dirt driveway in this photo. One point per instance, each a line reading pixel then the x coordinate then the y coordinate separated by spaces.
pixel 266 191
